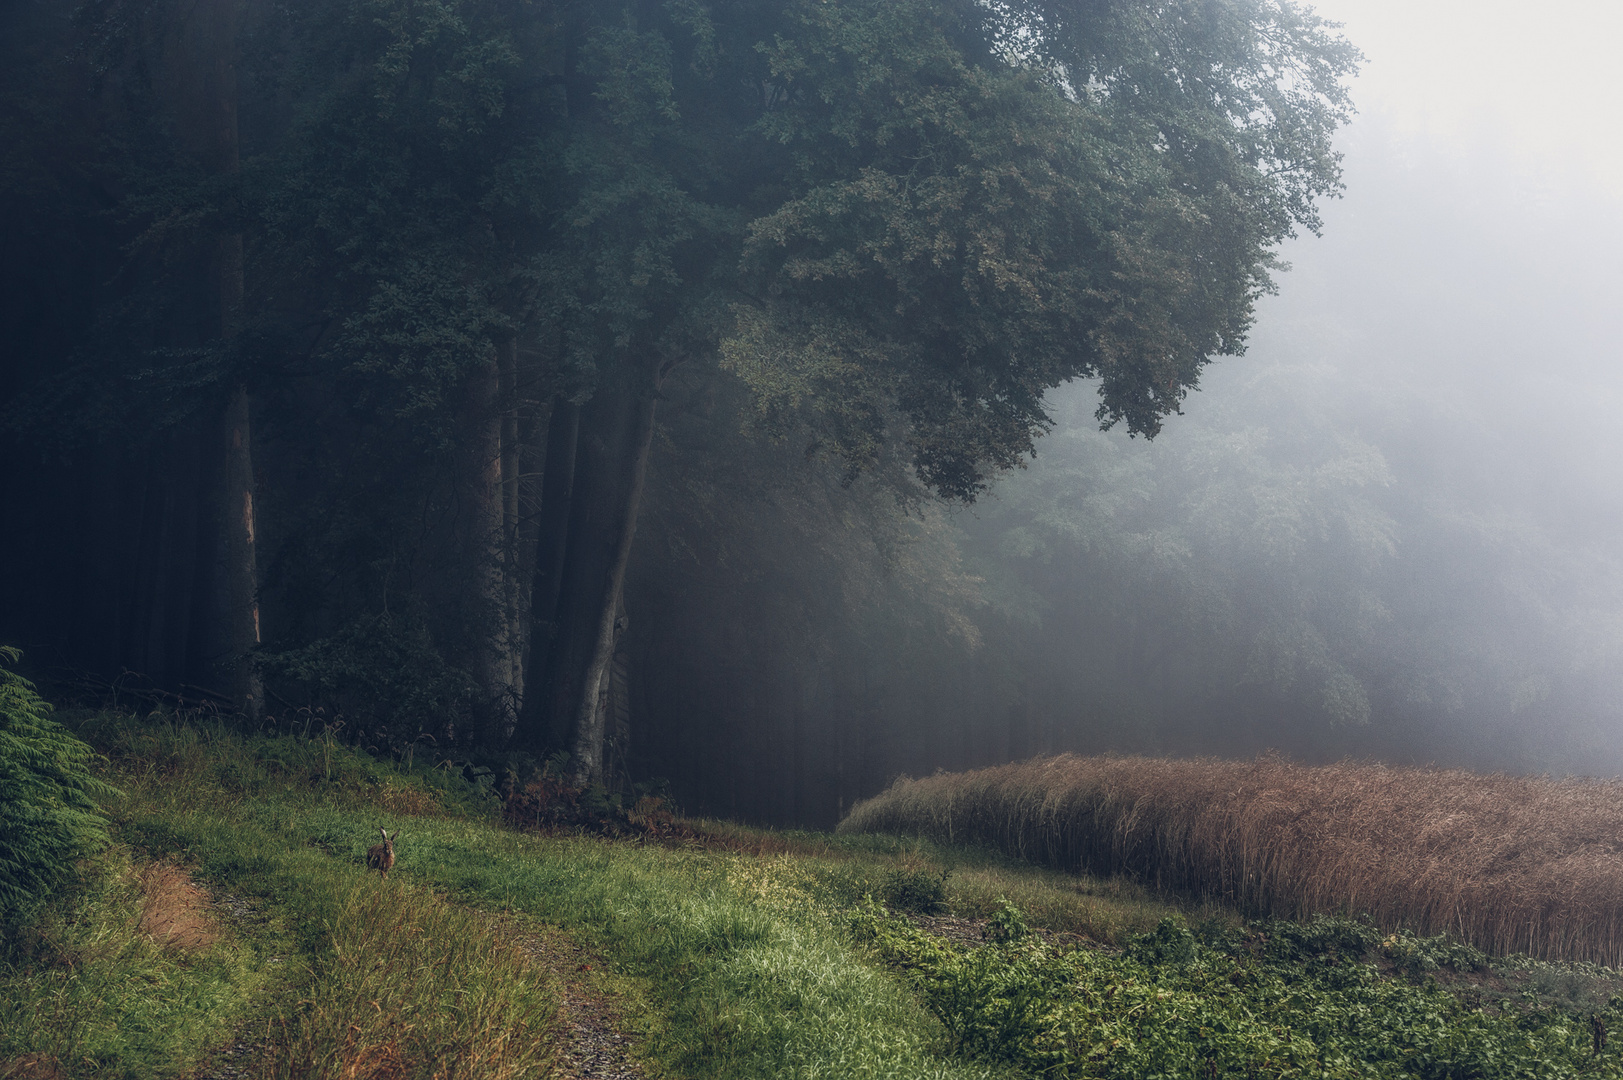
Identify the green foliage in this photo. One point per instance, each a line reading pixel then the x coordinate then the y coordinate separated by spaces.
pixel 383 674
pixel 1325 937
pixel 48 812
pixel 908 886
pixel 972 222
pixel 1291 1001
pixel 1415 955
pixel 916 889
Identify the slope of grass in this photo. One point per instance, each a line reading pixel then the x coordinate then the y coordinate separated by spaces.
pixel 744 989
pixel 1510 864
pixel 739 953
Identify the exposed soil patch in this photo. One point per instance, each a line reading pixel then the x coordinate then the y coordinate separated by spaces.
pixel 174 908
pixel 973 932
pixel 32 1067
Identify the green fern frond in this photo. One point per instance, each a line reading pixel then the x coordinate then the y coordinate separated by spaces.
pixel 49 815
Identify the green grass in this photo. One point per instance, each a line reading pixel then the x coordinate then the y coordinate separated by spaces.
pixel 341 975
pixel 744 954
pixel 86 988
pixel 748 988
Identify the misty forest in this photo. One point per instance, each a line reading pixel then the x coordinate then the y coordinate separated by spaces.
pixel 770 399
pixel 733 409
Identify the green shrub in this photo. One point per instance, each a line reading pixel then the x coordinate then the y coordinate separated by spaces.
pixel 48 812
pixel 916 889
pixel 384 674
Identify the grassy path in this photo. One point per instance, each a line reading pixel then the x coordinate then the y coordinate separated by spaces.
pixel 350 976
pixel 596 1038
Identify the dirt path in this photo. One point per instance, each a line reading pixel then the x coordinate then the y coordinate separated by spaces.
pixel 594 1045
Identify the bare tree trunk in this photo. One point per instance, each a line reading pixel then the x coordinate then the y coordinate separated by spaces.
pixel 487 530
pixel 212 34
pixel 240 585
pixel 512 607
pixel 617 428
pixel 552 541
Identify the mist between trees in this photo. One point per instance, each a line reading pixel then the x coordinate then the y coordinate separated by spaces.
pixel 642 382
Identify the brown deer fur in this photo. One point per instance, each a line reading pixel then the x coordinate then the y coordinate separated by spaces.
pixel 380 857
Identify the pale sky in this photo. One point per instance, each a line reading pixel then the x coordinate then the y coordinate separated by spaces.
pixel 1542 81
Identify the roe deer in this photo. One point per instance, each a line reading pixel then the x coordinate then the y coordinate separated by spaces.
pixel 380 857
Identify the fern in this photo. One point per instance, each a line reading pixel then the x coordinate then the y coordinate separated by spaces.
pixel 48 811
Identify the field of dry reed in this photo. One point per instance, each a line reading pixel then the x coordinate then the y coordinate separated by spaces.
pixel 1508 863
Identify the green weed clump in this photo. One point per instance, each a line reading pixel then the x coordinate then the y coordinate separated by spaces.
pixel 1299 1002
pixel 1509 864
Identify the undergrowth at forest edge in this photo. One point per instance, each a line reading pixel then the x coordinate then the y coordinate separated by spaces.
pixel 736 953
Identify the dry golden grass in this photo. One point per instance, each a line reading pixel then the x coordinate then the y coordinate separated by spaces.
pixel 1508 863
pixel 174 909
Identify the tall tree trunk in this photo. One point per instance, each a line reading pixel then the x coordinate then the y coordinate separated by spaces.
pixel 512 606
pixel 617 428
pixel 487 529
pixel 240 579
pixel 552 541
pixel 203 82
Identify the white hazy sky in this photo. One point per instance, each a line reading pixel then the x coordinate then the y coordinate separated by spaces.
pixel 1476 260
pixel 1542 81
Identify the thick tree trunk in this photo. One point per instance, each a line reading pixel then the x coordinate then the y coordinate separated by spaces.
pixel 212 30
pixel 617 428
pixel 552 540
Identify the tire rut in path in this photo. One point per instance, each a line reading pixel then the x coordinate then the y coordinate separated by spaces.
pixel 593 1045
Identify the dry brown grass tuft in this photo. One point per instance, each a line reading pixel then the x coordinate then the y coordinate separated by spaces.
pixel 1508 863
pixel 174 909
pixel 32 1067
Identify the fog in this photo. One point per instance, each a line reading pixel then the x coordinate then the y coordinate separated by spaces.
pixel 1390 528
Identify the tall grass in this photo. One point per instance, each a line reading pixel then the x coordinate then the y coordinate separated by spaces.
pixel 1508 863
pixel 415 986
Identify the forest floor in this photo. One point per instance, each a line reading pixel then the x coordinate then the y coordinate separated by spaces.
pixel 233 931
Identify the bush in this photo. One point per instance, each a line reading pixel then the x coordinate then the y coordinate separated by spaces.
pixel 915 889
pixel 384 674
pixel 48 812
